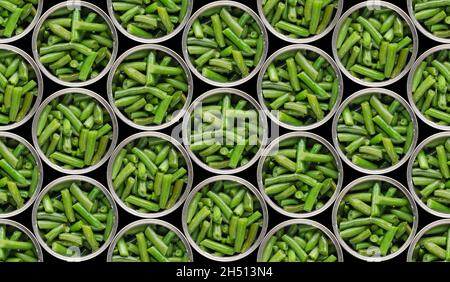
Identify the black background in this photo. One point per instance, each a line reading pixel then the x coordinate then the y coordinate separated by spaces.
pixel 200 174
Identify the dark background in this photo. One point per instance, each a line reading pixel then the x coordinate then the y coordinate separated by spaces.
pixel 201 87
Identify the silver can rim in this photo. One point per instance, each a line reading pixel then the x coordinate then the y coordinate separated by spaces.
pixel 149 222
pixel 75 3
pixel 340 6
pixel 190 82
pixel 249 186
pixel 52 185
pixel 40 85
pixel 416 64
pixel 397 185
pixel 273 145
pixel 400 12
pixel 369 91
pixel 284 224
pixel 167 138
pixel 30 27
pixel 421 28
pixel 30 235
pixel 41 177
pixel 102 101
pixel 149 40
pixel 186 133
pixel 219 4
pixel 288 49
pixel 409 168
pixel 419 235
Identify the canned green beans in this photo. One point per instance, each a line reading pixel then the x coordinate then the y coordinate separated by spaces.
pixel 300 21
pixel 224 218
pixel 225 43
pixel 300 174
pixel 74 130
pixel 18 18
pixel 150 87
pixel 75 219
pixel 150 241
pixel 150 21
pixel 22 174
pixel 17 243
pixel 427 87
pixel 75 43
pixel 374 130
pixel 374 218
pixel 150 174
pixel 300 241
pixel 431 17
pixel 431 243
pixel 428 174
pixel 224 130
pixel 300 87
pixel 375 43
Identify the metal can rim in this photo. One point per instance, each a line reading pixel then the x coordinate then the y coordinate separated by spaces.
pixel 248 185
pixel 273 145
pixel 29 28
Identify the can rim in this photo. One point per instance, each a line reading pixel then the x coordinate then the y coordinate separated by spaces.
pixel 174 142
pixel 340 6
pixel 190 83
pixel 248 185
pixel 409 168
pixel 274 144
pixel 374 4
pixel 71 4
pixel 40 168
pixel 416 64
pixel 299 221
pixel 149 40
pixel 149 222
pixel 420 234
pixel 288 49
pixel 30 235
pixel 369 91
pixel 397 185
pixel 70 178
pixel 29 28
pixel 219 4
pixel 102 101
pixel 187 124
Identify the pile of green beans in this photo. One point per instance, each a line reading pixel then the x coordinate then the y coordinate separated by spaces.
pixel 149 174
pixel 20 175
pixel 225 44
pixel 16 16
pixel 75 218
pixel 434 15
pixel 300 175
pixel 433 245
pixel 18 87
pixel 299 18
pixel 74 131
pixel 374 44
pixel 429 87
pixel 225 131
pixel 150 243
pixel 224 218
pixel 301 86
pixel 374 218
pixel 75 44
pixel 431 175
pixel 299 243
pixel 16 246
pixel 150 19
pixel 375 131
pixel 149 86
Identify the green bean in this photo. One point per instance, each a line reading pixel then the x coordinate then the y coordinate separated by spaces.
pixel 434 243
pixel 17 16
pixel 430 13
pixel 15 246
